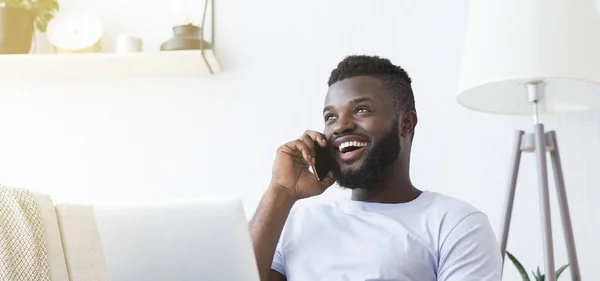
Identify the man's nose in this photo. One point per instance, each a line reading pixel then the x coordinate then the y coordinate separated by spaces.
pixel 344 125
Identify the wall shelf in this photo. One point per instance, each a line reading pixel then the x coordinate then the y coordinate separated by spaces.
pixel 109 65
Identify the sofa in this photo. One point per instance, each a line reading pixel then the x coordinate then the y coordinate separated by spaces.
pixel 73 248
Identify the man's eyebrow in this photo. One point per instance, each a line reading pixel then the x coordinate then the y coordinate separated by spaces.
pixel 354 101
pixel 360 100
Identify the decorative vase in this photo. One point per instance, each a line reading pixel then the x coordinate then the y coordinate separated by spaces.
pixel 185 37
pixel 16 30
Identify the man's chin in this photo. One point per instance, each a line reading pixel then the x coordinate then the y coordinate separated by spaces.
pixel 350 178
pixel 351 168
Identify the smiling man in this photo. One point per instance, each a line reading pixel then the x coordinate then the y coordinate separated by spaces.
pixel 388 229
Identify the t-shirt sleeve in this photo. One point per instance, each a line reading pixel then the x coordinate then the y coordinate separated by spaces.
pixel 471 252
pixel 278 264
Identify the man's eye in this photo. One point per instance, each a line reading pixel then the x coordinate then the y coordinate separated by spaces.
pixel 328 117
pixel 361 110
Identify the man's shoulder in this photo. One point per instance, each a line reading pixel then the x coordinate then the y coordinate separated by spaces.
pixel 452 204
pixel 433 203
pixel 315 205
pixel 440 211
pixel 309 213
pixel 452 212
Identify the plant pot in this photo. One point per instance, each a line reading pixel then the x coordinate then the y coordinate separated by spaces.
pixel 16 30
pixel 185 37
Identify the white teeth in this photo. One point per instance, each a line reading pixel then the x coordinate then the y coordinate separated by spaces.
pixel 352 143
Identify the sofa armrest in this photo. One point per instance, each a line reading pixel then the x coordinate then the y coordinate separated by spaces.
pixel 81 241
pixel 54 248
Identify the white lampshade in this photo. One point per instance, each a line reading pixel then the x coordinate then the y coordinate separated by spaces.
pixel 511 42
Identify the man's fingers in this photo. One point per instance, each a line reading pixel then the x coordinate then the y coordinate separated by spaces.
pixel 303 148
pixel 328 180
pixel 306 139
pixel 316 136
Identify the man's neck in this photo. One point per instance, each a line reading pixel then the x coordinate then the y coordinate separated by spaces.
pixel 395 187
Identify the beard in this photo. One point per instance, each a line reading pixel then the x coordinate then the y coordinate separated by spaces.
pixel 376 161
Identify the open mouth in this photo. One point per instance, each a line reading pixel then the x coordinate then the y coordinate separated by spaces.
pixel 351 146
pixel 351 150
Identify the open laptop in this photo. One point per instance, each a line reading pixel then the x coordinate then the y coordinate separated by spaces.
pixel 192 239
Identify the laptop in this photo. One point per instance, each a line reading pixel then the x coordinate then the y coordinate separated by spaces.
pixel 191 239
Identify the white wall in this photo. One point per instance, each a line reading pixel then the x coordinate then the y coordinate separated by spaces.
pixel 95 141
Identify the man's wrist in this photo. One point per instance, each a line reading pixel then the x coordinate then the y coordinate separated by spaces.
pixel 281 194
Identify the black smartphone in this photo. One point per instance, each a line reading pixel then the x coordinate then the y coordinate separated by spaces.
pixel 324 161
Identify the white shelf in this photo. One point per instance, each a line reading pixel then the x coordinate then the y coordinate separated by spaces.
pixel 107 65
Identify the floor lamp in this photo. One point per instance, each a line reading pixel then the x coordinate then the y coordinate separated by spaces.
pixel 533 57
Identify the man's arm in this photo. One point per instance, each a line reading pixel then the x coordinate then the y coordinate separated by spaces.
pixel 291 181
pixel 470 252
pixel 266 227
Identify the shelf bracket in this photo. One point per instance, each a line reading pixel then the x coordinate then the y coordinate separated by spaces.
pixel 212 32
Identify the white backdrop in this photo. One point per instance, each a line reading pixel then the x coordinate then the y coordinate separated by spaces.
pixel 121 140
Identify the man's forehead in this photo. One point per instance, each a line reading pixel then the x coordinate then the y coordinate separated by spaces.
pixel 349 89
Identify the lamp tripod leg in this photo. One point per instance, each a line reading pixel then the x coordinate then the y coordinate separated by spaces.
pixel 540 155
pixel 510 196
pixel 563 205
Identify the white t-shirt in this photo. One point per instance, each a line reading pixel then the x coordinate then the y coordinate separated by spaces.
pixel 432 238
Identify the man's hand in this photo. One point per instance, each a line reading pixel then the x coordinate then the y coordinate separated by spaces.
pixel 291 181
pixel 291 168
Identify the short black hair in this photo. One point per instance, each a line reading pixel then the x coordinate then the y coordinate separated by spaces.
pixel 394 76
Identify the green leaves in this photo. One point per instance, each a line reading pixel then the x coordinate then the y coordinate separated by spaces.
pixel 519 267
pixel 560 270
pixel 536 274
pixel 43 10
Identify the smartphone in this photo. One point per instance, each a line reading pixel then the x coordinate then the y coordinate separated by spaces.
pixel 324 162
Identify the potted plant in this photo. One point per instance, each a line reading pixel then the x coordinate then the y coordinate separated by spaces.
pixel 18 21
pixel 536 274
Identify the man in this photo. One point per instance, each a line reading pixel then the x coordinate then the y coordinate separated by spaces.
pixel 389 229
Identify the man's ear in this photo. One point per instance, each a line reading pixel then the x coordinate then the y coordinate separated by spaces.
pixel 408 123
